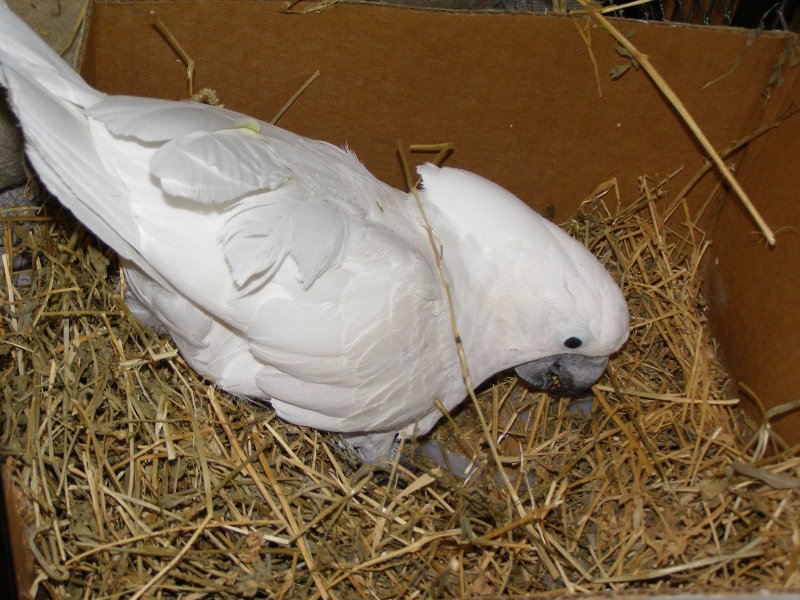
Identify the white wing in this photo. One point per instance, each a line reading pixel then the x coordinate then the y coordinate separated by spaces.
pixel 312 269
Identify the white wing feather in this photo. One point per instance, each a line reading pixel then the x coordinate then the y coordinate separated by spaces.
pixel 260 232
pixel 217 167
pixel 152 120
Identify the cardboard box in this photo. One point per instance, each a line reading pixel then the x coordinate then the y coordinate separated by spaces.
pixel 520 98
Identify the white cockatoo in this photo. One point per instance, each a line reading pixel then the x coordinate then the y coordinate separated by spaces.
pixel 284 271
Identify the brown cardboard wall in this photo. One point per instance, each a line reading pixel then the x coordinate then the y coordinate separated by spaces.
pixel 19 524
pixel 755 288
pixel 517 94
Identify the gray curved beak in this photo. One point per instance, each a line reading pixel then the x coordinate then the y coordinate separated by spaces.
pixel 562 374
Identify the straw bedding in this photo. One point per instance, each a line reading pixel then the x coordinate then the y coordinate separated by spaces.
pixel 139 479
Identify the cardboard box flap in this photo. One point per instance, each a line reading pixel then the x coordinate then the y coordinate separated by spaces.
pixel 754 289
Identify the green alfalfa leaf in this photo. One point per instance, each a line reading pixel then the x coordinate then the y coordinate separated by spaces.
pixel 619 70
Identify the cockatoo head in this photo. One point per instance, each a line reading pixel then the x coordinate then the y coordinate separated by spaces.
pixel 527 295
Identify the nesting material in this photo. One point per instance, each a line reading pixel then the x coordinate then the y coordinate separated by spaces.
pixel 139 478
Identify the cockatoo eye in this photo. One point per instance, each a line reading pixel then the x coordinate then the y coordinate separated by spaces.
pixel 572 342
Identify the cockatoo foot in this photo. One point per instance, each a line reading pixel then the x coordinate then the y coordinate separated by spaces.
pixel 373 448
pixel 453 462
pixel 462 466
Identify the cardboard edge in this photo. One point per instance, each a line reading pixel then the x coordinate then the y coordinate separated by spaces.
pixel 577 13
pixel 21 554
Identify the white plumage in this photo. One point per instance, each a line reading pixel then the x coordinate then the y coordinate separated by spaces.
pixel 284 271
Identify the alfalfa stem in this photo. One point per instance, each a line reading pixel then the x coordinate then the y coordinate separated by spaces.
pixel 176 46
pixel 294 97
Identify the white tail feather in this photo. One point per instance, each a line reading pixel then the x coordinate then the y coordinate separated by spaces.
pixel 22 48
pixel 50 101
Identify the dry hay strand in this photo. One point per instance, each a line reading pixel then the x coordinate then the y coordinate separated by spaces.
pixel 141 479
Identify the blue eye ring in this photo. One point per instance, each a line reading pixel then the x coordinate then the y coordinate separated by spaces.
pixel 573 343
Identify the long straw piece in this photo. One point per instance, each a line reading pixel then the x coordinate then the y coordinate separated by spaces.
pixel 670 95
pixel 537 536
